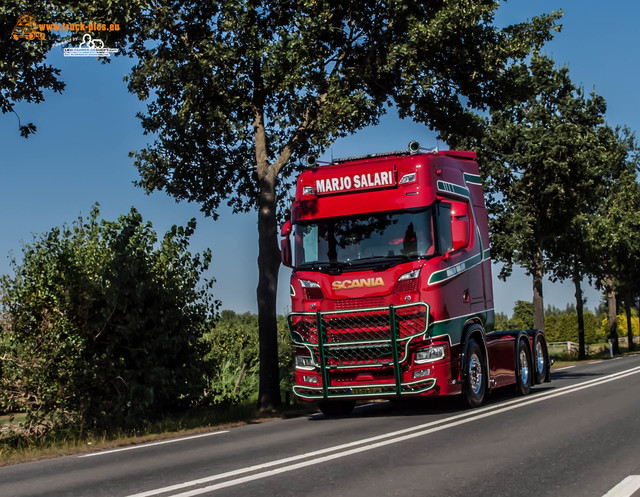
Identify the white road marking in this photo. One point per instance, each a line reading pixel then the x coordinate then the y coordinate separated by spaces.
pixel 566 367
pixel 372 442
pixel 625 488
pixel 143 446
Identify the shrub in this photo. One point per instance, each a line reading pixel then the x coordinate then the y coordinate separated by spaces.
pixel 233 345
pixel 102 325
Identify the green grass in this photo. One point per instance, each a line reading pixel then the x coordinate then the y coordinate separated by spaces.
pixel 15 447
pixel 12 419
pixel 598 351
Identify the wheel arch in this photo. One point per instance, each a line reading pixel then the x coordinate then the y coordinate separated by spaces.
pixel 525 336
pixel 474 328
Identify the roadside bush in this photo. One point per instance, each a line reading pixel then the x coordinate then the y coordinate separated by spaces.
pixel 622 325
pixel 232 360
pixel 102 326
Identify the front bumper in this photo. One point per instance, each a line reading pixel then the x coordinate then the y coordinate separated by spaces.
pixel 366 353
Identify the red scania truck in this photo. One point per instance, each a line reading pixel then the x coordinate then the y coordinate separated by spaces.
pixel 391 287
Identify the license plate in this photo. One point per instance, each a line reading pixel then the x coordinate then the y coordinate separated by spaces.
pixel 358 391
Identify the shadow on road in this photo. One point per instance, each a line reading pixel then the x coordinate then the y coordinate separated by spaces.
pixel 431 406
pixel 569 375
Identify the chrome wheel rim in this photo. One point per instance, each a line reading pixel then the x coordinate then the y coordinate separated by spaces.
pixel 475 374
pixel 539 358
pixel 524 367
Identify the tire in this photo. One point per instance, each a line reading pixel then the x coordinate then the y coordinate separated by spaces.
pixel 335 408
pixel 541 364
pixel 523 369
pixel 474 387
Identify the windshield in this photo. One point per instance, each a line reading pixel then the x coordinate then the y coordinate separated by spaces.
pixel 361 240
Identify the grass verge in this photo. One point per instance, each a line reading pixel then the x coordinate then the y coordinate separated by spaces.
pixel 16 448
pixel 598 352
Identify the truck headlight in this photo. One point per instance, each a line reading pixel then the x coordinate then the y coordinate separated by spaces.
pixel 430 354
pixel 410 275
pixel 312 290
pixel 304 362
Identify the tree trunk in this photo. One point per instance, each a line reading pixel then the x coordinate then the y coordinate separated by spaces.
pixel 579 310
pixel 613 318
pixel 627 310
pixel 268 260
pixel 268 265
pixel 538 302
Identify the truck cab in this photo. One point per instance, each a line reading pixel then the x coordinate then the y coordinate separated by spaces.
pixel 391 283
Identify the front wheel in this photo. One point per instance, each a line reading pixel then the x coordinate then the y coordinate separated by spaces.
pixel 523 369
pixel 475 383
pixel 337 407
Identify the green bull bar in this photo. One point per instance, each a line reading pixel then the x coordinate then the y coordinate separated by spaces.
pixel 343 343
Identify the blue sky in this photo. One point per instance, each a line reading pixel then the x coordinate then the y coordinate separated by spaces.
pixel 79 155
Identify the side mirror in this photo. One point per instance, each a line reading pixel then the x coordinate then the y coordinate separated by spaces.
pixel 459 225
pixel 285 244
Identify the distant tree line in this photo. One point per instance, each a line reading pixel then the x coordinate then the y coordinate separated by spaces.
pixel 561 325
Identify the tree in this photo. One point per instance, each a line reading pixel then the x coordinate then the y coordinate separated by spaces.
pixel 562 325
pixel 532 160
pixel 102 325
pixel 24 73
pixel 501 322
pixel 573 253
pixel 523 316
pixel 240 91
pixel 615 229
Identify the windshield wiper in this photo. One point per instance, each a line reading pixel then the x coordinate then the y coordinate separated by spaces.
pixel 380 261
pixel 324 267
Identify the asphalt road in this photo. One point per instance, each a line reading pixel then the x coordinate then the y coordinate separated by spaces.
pixel 577 436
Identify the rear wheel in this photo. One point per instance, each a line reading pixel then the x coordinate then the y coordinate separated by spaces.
pixel 523 369
pixel 475 384
pixel 541 363
pixel 337 407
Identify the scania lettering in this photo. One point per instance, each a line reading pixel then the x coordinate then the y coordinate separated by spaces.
pixel 364 282
pixel 391 291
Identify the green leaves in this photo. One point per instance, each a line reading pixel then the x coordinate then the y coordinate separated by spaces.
pixel 309 72
pixel 102 325
pixel 540 164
